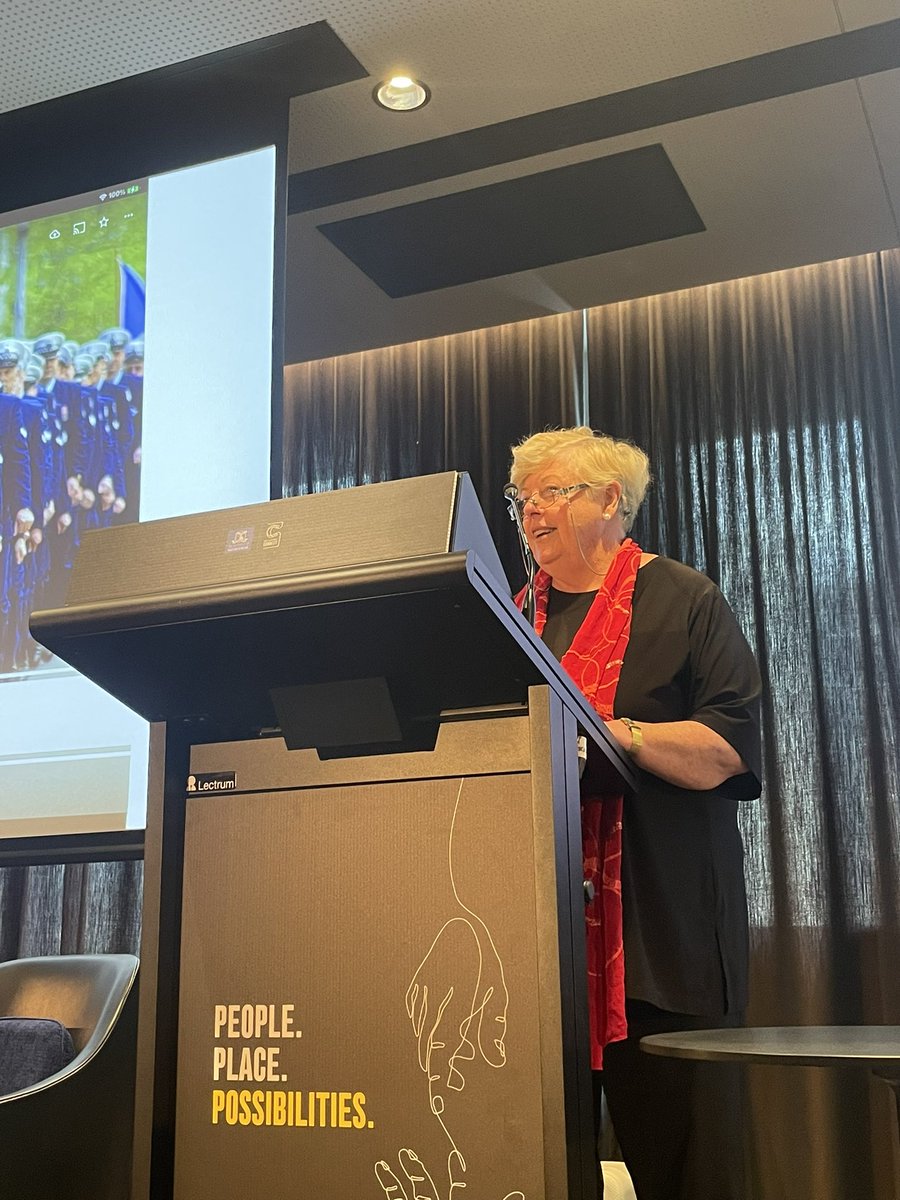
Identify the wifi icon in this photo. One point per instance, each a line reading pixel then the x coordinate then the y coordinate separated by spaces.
pixel 103 195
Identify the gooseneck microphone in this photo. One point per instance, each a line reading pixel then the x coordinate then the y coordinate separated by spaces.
pixel 511 496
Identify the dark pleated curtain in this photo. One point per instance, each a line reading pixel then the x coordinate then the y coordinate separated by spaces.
pixel 770 408
pixel 78 908
pixel 451 403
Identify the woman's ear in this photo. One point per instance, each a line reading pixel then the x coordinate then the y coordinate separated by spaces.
pixel 612 499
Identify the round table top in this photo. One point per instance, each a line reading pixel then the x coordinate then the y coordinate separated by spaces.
pixel 799 1045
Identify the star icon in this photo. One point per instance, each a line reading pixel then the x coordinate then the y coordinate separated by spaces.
pixel 104 221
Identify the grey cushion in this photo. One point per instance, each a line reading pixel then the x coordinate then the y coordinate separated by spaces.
pixel 30 1050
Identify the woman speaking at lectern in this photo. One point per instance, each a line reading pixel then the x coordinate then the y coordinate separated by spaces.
pixel 658 654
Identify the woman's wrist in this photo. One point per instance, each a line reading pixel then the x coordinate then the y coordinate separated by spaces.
pixel 622 733
pixel 635 735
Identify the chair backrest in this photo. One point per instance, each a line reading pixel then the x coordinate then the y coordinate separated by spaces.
pixel 68 1136
pixel 84 992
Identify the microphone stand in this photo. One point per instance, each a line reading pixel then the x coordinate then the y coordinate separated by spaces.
pixel 511 495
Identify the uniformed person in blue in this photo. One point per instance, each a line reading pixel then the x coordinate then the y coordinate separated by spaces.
pixel 73 439
pixel 81 364
pixel 134 381
pixel 64 369
pixel 103 474
pixel 117 339
pixel 33 574
pixel 16 515
pixel 134 359
pixel 67 371
pixel 88 455
pixel 34 373
pixel 118 411
pixel 59 394
pixel 48 346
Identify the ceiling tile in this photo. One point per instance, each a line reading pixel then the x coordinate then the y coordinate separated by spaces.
pixel 853 14
pixel 492 61
pixel 881 96
pixel 77 44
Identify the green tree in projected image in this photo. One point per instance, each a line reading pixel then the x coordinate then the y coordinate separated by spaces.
pixel 7 279
pixel 72 281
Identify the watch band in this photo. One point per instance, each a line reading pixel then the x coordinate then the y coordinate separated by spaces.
pixel 637 734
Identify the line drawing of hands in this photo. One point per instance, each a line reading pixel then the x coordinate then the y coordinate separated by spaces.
pixel 457 1003
pixel 415 1182
pixel 456 1017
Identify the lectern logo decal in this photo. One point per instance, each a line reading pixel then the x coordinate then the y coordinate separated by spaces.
pixel 212 781
pixel 239 539
pixel 272 539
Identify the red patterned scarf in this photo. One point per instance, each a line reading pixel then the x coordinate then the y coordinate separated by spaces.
pixel 594 661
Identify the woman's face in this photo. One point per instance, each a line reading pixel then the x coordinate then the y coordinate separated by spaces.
pixel 568 537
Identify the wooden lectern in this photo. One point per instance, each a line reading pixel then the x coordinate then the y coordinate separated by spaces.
pixel 363 961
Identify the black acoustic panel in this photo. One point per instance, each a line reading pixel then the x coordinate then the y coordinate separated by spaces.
pixel 572 212
pixel 307 59
pixel 783 72
pixel 194 111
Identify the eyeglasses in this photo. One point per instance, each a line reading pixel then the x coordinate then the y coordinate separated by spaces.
pixel 548 496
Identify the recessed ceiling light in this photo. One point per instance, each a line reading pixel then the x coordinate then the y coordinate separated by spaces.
pixel 401 93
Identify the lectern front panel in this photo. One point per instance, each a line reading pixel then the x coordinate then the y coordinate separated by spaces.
pixel 373 1017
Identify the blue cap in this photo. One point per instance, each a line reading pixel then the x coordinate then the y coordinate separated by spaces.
pixel 48 344
pixel 64 355
pixel 135 350
pixel 116 339
pixel 71 346
pixel 13 353
pixel 83 363
pixel 96 350
pixel 34 369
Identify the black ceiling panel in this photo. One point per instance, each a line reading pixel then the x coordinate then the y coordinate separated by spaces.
pixel 572 212
pixel 170 117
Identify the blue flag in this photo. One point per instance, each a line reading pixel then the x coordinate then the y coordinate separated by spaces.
pixel 132 300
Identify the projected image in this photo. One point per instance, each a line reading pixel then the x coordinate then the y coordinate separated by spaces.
pixel 72 315
pixel 180 264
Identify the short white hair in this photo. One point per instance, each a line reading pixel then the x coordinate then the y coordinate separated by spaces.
pixel 597 458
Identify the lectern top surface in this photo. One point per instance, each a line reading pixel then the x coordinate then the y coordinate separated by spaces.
pixel 379 522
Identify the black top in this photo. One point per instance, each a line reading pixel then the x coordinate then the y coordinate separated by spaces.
pixel 685 908
pixel 565 613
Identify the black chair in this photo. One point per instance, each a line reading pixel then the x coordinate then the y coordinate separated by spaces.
pixel 68 1136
